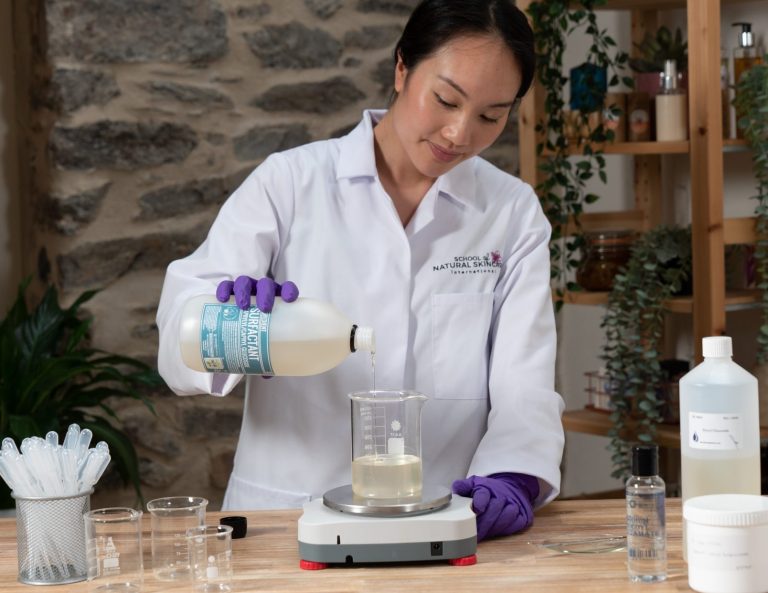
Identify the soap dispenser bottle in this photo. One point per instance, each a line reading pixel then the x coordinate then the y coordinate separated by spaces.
pixel 745 55
pixel 671 107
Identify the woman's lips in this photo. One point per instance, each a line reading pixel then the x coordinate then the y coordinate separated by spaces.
pixel 445 156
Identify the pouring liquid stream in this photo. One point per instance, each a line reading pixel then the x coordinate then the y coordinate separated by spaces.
pixel 373 368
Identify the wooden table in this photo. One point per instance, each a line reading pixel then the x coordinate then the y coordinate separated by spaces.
pixel 267 559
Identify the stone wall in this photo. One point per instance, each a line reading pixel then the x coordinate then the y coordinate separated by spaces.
pixel 143 116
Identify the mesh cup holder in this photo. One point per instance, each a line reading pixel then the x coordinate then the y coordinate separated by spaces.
pixel 50 537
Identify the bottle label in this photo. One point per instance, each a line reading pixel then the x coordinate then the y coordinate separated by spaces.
pixel 715 431
pixel 646 529
pixel 235 341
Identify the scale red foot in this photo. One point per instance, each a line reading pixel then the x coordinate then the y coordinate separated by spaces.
pixel 464 561
pixel 310 565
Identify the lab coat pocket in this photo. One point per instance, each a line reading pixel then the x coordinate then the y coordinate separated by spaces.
pixel 460 331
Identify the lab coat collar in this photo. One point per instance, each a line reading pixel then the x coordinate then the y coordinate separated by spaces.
pixel 357 159
pixel 356 156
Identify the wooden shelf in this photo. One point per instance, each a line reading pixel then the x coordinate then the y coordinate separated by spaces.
pixel 650 148
pixel 608 221
pixel 635 148
pixel 736 145
pixel 598 423
pixel 657 4
pixel 734 301
pixel 595 422
pixel 736 231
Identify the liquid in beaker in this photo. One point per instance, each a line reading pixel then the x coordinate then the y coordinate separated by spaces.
pixel 386 476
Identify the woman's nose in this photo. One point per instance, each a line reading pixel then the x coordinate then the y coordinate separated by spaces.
pixel 457 130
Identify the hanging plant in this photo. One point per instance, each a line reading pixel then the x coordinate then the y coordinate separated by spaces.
pixel 752 106
pixel 659 267
pixel 563 193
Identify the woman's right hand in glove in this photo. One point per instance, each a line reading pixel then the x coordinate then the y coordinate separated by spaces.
pixel 265 290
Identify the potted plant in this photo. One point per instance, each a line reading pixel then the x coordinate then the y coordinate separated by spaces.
pixel 51 377
pixel 750 101
pixel 653 51
pixel 563 192
pixel 660 266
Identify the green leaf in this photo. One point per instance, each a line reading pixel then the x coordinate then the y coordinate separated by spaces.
pixel 23 426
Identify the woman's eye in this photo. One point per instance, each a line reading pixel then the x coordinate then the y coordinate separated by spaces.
pixel 489 120
pixel 443 102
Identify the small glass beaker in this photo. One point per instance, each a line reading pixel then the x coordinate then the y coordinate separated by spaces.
pixel 386 443
pixel 113 550
pixel 210 557
pixel 170 519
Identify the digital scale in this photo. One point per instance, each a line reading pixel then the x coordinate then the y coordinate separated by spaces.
pixel 342 528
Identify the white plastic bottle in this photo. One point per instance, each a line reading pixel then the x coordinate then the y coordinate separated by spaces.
pixel 719 425
pixel 305 337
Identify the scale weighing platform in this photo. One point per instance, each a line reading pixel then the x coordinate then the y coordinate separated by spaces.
pixel 346 529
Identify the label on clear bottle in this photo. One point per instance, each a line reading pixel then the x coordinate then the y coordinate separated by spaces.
pixel 723 432
pixel 646 536
pixel 235 341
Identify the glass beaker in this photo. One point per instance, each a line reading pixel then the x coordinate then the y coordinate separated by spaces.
pixel 171 517
pixel 210 558
pixel 113 550
pixel 386 443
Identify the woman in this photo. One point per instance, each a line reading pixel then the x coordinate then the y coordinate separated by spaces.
pixel 405 229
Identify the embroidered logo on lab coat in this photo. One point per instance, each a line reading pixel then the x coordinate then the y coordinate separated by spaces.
pixel 490 263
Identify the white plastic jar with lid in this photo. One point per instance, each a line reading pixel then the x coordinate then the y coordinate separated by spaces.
pixel 727 539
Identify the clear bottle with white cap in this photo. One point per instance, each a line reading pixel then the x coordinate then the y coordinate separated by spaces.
pixel 719 425
pixel 302 338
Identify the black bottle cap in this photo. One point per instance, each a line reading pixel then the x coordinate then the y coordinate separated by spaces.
pixel 645 460
pixel 238 524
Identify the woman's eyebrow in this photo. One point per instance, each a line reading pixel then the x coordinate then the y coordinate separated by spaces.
pixel 464 94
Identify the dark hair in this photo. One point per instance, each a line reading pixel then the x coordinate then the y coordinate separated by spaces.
pixel 433 23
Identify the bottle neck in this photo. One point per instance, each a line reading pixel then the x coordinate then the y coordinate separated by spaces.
pixel 669 78
pixel 362 338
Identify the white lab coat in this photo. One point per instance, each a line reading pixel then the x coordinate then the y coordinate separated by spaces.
pixel 459 300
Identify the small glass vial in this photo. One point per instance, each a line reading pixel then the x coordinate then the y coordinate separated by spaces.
pixel 646 521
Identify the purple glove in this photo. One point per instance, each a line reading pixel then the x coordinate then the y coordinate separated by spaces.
pixel 265 290
pixel 503 502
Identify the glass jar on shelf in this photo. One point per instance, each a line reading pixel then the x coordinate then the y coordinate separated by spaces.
pixel 604 254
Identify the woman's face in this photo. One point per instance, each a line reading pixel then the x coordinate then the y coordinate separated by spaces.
pixel 454 104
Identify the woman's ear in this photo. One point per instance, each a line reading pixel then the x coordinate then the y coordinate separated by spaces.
pixel 400 74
